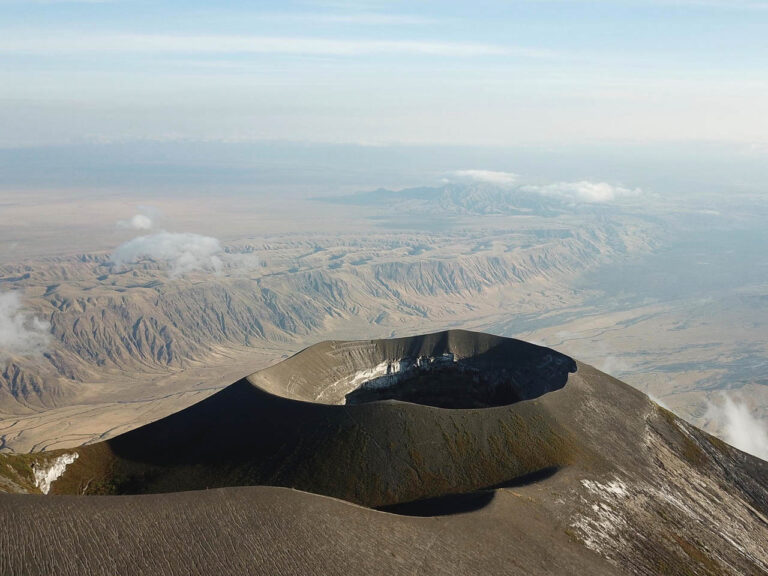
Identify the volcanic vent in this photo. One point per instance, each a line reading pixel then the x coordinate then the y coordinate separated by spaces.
pixel 449 382
pixel 454 369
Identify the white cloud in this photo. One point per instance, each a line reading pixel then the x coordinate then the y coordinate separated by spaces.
pixel 581 191
pixel 233 44
pixel 487 176
pixel 356 19
pixel 137 222
pixel 20 334
pixel 613 365
pixel 739 427
pixel 585 191
pixel 181 252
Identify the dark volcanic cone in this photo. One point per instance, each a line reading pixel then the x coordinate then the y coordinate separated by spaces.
pixel 523 461
pixel 376 423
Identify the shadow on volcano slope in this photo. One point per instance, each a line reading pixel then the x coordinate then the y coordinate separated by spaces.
pixel 285 425
pixel 464 503
pixel 443 505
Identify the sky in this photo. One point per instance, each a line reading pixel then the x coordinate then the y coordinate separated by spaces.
pixel 481 73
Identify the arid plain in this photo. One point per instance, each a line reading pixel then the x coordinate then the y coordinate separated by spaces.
pixel 134 341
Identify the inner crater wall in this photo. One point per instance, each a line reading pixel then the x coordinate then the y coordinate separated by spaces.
pixel 453 369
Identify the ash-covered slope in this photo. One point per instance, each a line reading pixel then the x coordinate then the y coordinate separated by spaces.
pixel 286 426
pixel 527 461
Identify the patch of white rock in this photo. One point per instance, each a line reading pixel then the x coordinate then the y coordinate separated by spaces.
pixel 47 474
pixel 389 374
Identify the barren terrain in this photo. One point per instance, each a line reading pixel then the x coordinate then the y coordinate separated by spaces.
pixel 540 465
pixel 123 337
pixel 133 342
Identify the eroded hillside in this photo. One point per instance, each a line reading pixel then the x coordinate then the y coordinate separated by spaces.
pixel 109 320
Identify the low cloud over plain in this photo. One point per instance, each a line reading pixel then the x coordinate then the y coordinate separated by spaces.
pixel 739 426
pixel 181 252
pixel 136 222
pixel 585 191
pixel 21 334
pixel 579 191
pixel 495 177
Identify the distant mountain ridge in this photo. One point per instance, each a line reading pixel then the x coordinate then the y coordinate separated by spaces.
pixel 459 199
pixel 140 321
pixel 480 198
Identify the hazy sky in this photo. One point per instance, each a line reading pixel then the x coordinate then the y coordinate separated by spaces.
pixel 432 72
